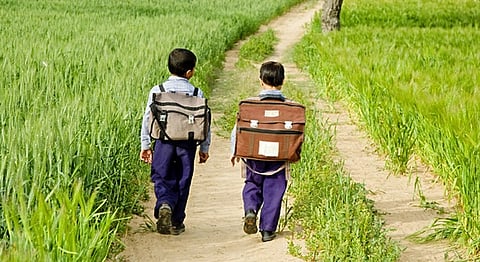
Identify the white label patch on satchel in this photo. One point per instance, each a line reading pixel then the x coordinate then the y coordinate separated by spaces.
pixel 268 148
pixel 272 113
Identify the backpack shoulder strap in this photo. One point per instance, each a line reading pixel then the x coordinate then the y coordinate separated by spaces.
pixel 162 89
pixel 195 91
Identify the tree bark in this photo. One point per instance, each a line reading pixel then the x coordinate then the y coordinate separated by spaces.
pixel 331 15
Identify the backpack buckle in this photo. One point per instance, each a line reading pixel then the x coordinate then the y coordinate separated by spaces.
pixel 288 124
pixel 163 117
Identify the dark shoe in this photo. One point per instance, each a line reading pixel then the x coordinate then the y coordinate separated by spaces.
pixel 268 235
pixel 164 222
pixel 250 222
pixel 177 230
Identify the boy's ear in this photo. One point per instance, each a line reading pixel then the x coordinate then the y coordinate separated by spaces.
pixel 189 73
pixel 261 82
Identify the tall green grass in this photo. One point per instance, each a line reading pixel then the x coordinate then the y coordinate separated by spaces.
pixel 413 77
pixel 75 76
pixel 68 226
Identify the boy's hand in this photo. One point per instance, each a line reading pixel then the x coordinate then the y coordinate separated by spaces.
pixel 146 156
pixel 233 160
pixel 203 157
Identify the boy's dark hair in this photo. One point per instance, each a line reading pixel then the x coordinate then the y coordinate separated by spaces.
pixel 180 61
pixel 272 73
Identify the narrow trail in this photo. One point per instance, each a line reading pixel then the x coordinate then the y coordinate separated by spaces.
pixel 394 196
pixel 214 213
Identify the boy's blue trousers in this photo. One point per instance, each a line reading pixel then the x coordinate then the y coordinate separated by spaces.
pixel 264 189
pixel 172 172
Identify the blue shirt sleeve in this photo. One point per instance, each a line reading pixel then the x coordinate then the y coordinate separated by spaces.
pixel 233 139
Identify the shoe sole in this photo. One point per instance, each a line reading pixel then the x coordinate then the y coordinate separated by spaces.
pixel 177 231
pixel 164 222
pixel 270 238
pixel 250 225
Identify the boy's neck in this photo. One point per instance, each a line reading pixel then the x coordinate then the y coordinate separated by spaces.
pixel 269 87
pixel 179 76
pixel 272 88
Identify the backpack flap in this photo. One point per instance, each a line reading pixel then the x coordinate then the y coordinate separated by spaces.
pixel 179 117
pixel 270 130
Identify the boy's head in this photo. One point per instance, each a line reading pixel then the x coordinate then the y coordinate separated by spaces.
pixel 181 62
pixel 272 73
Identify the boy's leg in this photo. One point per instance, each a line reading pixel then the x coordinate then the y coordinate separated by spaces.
pixel 252 199
pixel 184 172
pixel 252 191
pixel 274 187
pixel 162 176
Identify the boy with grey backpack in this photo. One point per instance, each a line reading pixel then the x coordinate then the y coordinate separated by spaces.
pixel 177 128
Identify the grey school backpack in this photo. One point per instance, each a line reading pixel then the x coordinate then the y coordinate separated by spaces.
pixel 179 117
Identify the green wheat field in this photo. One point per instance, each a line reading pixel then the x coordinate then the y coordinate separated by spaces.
pixel 75 75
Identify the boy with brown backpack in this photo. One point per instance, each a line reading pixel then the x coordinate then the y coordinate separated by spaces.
pixel 267 137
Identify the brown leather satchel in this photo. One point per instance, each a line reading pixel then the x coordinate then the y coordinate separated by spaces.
pixel 269 129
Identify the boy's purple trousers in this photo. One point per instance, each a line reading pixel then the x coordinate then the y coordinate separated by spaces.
pixel 172 172
pixel 265 189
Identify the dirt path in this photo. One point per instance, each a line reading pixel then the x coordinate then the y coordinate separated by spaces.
pixel 394 196
pixel 214 213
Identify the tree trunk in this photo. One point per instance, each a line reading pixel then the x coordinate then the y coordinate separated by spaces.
pixel 331 15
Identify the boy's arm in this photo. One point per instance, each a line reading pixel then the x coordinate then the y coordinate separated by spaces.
pixel 146 152
pixel 144 132
pixel 204 147
pixel 146 156
pixel 203 157
pixel 233 139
